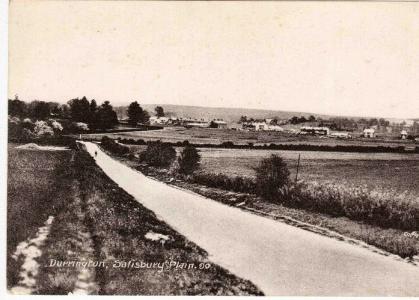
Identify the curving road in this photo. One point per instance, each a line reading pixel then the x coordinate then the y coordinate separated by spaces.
pixel 280 259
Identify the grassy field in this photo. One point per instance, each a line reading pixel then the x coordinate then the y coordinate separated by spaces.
pixel 35 189
pixel 217 136
pixel 392 171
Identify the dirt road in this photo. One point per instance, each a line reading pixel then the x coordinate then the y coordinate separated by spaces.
pixel 280 259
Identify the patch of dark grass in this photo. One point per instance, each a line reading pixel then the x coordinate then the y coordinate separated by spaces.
pixel 34 192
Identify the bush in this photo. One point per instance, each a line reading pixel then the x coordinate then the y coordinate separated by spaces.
pixel 80 126
pixel 158 154
pixel 237 184
pixel 189 160
pixel 114 147
pixel 227 144
pixel 272 174
pixel 42 129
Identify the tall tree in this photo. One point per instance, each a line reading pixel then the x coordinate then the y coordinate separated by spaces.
pixel 39 110
pixel 16 107
pixel 93 106
pixel 80 110
pixel 93 114
pixel 189 160
pixel 159 111
pixel 243 119
pixel 106 117
pixel 136 114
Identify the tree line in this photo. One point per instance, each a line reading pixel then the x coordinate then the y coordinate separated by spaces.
pixel 276 121
pixel 80 111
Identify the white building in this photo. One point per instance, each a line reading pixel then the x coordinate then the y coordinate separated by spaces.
pixel 275 128
pixel 369 133
pixel 341 135
pixel 219 123
pixel 158 120
pixel 315 130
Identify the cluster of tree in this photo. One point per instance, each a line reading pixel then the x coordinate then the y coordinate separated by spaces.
pixel 136 114
pixel 26 129
pixel 374 122
pixel 97 117
pixel 349 124
pixel 298 120
pixel 275 121
pixel 340 124
pixel 159 111
pixel 76 110
pixel 37 110
pixel 245 119
pixel 158 154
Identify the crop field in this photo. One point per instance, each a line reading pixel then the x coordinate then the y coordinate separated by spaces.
pixel 218 136
pixel 391 171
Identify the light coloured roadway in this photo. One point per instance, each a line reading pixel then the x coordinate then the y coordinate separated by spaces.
pixel 280 259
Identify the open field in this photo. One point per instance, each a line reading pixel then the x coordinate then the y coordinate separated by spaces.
pixel 379 170
pixel 218 136
pixel 375 170
pixel 35 190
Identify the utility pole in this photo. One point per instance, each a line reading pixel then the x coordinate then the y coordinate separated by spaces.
pixel 298 166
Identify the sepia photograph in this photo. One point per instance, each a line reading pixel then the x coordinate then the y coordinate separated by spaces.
pixel 212 148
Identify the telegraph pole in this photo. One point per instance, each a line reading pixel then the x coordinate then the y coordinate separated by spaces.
pixel 298 166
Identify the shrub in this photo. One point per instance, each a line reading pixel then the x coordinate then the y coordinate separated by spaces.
pixel 80 126
pixel 272 174
pixel 227 144
pixel 42 129
pixel 56 126
pixel 158 154
pixel 237 184
pixel 114 147
pixel 189 160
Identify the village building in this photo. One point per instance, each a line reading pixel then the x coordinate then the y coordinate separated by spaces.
pixel 218 123
pixel 154 120
pixel 259 126
pixel 314 130
pixel 403 134
pixel 369 132
pixel 341 135
pixel 189 123
pixel 275 128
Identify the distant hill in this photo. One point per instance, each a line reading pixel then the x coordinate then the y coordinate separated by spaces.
pixel 230 115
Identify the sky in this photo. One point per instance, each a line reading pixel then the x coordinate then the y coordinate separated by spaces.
pixel 342 58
